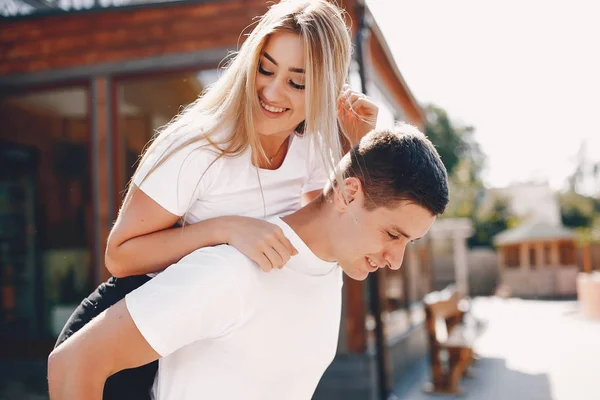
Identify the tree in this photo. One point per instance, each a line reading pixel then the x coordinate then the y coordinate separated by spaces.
pixel 454 143
pixel 462 157
pixel 464 160
pixel 488 223
pixel 577 211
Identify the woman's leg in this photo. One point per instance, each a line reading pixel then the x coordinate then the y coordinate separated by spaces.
pixel 135 383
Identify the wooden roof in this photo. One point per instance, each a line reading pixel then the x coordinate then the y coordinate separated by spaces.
pixel 385 65
pixel 533 232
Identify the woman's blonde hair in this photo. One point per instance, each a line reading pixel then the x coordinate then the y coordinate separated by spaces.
pixel 230 101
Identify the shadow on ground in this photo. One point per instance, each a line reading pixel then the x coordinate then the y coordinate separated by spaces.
pixel 492 380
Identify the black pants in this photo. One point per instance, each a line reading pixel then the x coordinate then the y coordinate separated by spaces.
pixel 129 384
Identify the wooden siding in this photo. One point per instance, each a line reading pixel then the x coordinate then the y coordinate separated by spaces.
pixel 78 39
pixel 104 215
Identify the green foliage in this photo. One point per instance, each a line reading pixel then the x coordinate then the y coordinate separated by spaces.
pixel 578 211
pixel 488 222
pixel 575 218
pixel 454 143
pixel 465 161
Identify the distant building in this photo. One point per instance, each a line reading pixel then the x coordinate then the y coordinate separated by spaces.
pixel 538 260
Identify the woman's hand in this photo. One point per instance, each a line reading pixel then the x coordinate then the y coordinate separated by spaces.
pixel 357 114
pixel 261 241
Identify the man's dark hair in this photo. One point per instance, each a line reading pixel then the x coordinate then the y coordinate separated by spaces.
pixel 398 164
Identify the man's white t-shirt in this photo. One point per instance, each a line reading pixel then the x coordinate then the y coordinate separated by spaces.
pixel 227 331
pixel 190 183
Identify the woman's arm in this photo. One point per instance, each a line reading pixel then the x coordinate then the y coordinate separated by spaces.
pixel 143 239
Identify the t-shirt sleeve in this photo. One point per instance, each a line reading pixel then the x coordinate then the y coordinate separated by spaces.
pixel 200 297
pixel 317 172
pixel 179 180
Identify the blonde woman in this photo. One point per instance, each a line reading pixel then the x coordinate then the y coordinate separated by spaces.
pixel 262 141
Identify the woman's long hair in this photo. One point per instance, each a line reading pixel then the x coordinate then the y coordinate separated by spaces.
pixel 230 101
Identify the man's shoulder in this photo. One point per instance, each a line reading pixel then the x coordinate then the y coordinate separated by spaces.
pixel 219 253
pixel 220 262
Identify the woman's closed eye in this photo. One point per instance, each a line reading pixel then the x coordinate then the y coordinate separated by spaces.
pixel 264 71
pixel 296 85
pixel 293 84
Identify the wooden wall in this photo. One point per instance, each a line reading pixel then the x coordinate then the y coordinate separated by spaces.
pixel 87 38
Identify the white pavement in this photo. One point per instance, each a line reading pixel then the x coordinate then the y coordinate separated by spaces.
pixel 531 350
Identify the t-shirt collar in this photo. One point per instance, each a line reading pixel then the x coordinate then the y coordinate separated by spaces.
pixel 305 261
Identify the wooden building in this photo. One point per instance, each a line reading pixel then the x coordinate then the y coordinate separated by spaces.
pixel 538 260
pixel 81 93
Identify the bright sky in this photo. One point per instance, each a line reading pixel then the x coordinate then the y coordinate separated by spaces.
pixel 525 74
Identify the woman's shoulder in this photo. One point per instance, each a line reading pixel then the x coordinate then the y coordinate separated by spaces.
pixel 198 145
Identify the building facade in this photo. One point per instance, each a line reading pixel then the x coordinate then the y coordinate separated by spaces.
pixel 83 87
pixel 538 260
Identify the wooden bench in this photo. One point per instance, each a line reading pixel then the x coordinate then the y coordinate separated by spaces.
pixel 450 341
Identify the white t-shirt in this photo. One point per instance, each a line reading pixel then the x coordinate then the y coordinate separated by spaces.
pixel 232 185
pixel 228 331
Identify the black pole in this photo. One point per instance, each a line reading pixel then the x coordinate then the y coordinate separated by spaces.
pixel 373 280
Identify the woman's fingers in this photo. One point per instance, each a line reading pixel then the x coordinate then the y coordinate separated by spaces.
pixel 281 238
pixel 262 242
pixel 275 259
pixel 283 253
pixel 279 250
pixel 263 262
pixel 368 110
pixel 275 253
pixel 358 102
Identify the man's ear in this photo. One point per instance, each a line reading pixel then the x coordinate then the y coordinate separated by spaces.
pixel 348 193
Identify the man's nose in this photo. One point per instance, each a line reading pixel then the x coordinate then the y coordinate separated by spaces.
pixel 395 255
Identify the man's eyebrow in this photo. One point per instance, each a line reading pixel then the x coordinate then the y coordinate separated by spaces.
pixel 291 69
pixel 400 231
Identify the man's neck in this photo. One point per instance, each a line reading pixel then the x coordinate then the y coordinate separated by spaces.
pixel 311 224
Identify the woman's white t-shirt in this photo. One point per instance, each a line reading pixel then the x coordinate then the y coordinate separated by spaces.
pixel 187 185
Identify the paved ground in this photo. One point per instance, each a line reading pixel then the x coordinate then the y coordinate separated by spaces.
pixel 531 350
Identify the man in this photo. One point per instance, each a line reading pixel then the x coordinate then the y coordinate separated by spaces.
pixel 223 329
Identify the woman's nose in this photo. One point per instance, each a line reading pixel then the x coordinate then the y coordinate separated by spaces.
pixel 273 91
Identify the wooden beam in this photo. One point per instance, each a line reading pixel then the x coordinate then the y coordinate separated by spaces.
pixel 524 255
pixel 354 299
pixel 554 254
pixel 539 254
pixel 384 66
pixel 102 173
